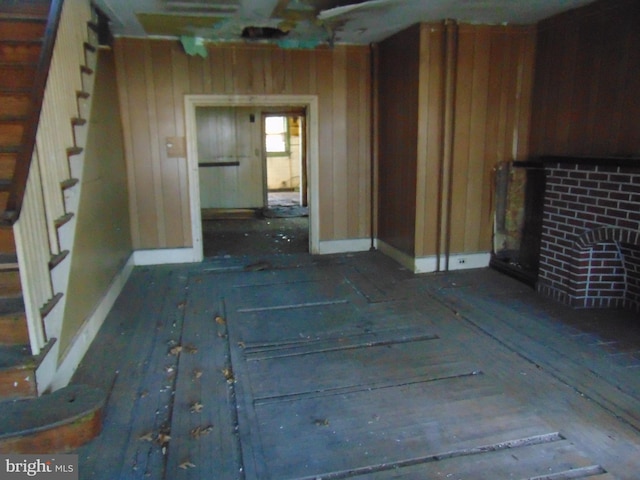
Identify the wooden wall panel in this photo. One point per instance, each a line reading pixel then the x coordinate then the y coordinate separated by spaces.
pixel 398 81
pixel 587 92
pixel 154 76
pixel 430 153
pixel 492 113
pixel 491 88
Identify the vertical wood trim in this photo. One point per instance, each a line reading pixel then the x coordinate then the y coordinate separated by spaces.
pixel 179 80
pixel 363 155
pixel 127 131
pixel 525 92
pixel 341 127
pixel 424 73
pixel 450 58
pixel 154 141
pixel 477 205
pixel 463 170
pixel 354 72
pixel 324 81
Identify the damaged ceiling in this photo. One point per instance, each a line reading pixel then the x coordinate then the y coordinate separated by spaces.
pixel 307 23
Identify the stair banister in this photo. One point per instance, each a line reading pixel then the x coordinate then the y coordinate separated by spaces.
pixel 23 163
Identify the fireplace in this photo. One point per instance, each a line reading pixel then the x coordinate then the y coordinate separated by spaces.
pixel 590 245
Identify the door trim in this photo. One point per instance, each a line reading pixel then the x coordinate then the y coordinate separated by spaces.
pixel 309 102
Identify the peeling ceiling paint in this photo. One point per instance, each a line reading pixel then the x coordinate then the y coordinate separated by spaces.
pixel 312 22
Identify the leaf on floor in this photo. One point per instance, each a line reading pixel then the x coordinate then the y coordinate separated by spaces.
pixel 181 305
pixel 220 320
pixel 201 430
pixel 228 374
pixel 321 422
pixel 147 437
pixel 175 350
pixel 196 407
pixel 163 438
pixel 186 465
pixel 197 373
pixel 191 349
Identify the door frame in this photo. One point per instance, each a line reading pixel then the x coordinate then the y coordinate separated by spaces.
pixel 308 102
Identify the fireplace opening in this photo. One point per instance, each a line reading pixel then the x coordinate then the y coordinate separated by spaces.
pixel 606 273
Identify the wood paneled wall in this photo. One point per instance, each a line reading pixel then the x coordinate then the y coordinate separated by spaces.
pixel 435 193
pixel 587 83
pixel 494 77
pixel 102 242
pixel 154 76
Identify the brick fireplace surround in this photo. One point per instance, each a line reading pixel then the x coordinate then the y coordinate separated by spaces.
pixel 590 248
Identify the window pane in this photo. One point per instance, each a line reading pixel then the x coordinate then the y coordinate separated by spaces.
pixel 276 143
pixel 275 125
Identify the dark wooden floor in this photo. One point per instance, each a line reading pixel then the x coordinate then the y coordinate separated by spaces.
pixel 301 367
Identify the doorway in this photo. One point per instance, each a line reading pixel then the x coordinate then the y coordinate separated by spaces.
pixel 284 151
pixel 231 158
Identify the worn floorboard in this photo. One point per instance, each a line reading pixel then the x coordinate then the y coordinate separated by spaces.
pixel 300 367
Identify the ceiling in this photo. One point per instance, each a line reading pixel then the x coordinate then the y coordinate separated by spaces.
pixel 307 23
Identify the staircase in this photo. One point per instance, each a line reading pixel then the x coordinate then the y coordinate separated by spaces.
pixel 32 421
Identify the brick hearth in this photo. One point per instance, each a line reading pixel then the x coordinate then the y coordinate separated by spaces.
pixel 590 249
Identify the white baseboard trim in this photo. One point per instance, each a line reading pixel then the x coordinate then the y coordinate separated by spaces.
pixel 164 256
pixel 344 246
pixel 90 328
pixel 428 264
pixel 466 261
pixel 402 258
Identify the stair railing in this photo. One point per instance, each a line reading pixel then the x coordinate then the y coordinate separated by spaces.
pixel 23 162
pixel 39 204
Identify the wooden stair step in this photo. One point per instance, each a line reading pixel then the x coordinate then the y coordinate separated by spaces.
pixel 11 132
pixel 10 285
pixel 15 76
pixel 21 52
pixel 21 29
pixel 13 322
pixel 8 261
pixel 7 240
pixel 24 9
pixel 54 423
pixel 17 372
pixel 15 104
pixel 7 165
pixel 13 329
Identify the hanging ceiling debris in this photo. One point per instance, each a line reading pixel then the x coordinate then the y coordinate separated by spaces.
pixel 307 23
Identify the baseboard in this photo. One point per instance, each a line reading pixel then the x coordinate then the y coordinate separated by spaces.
pixel 90 328
pixel 344 246
pixel 164 256
pixel 466 261
pixel 399 256
pixel 428 264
